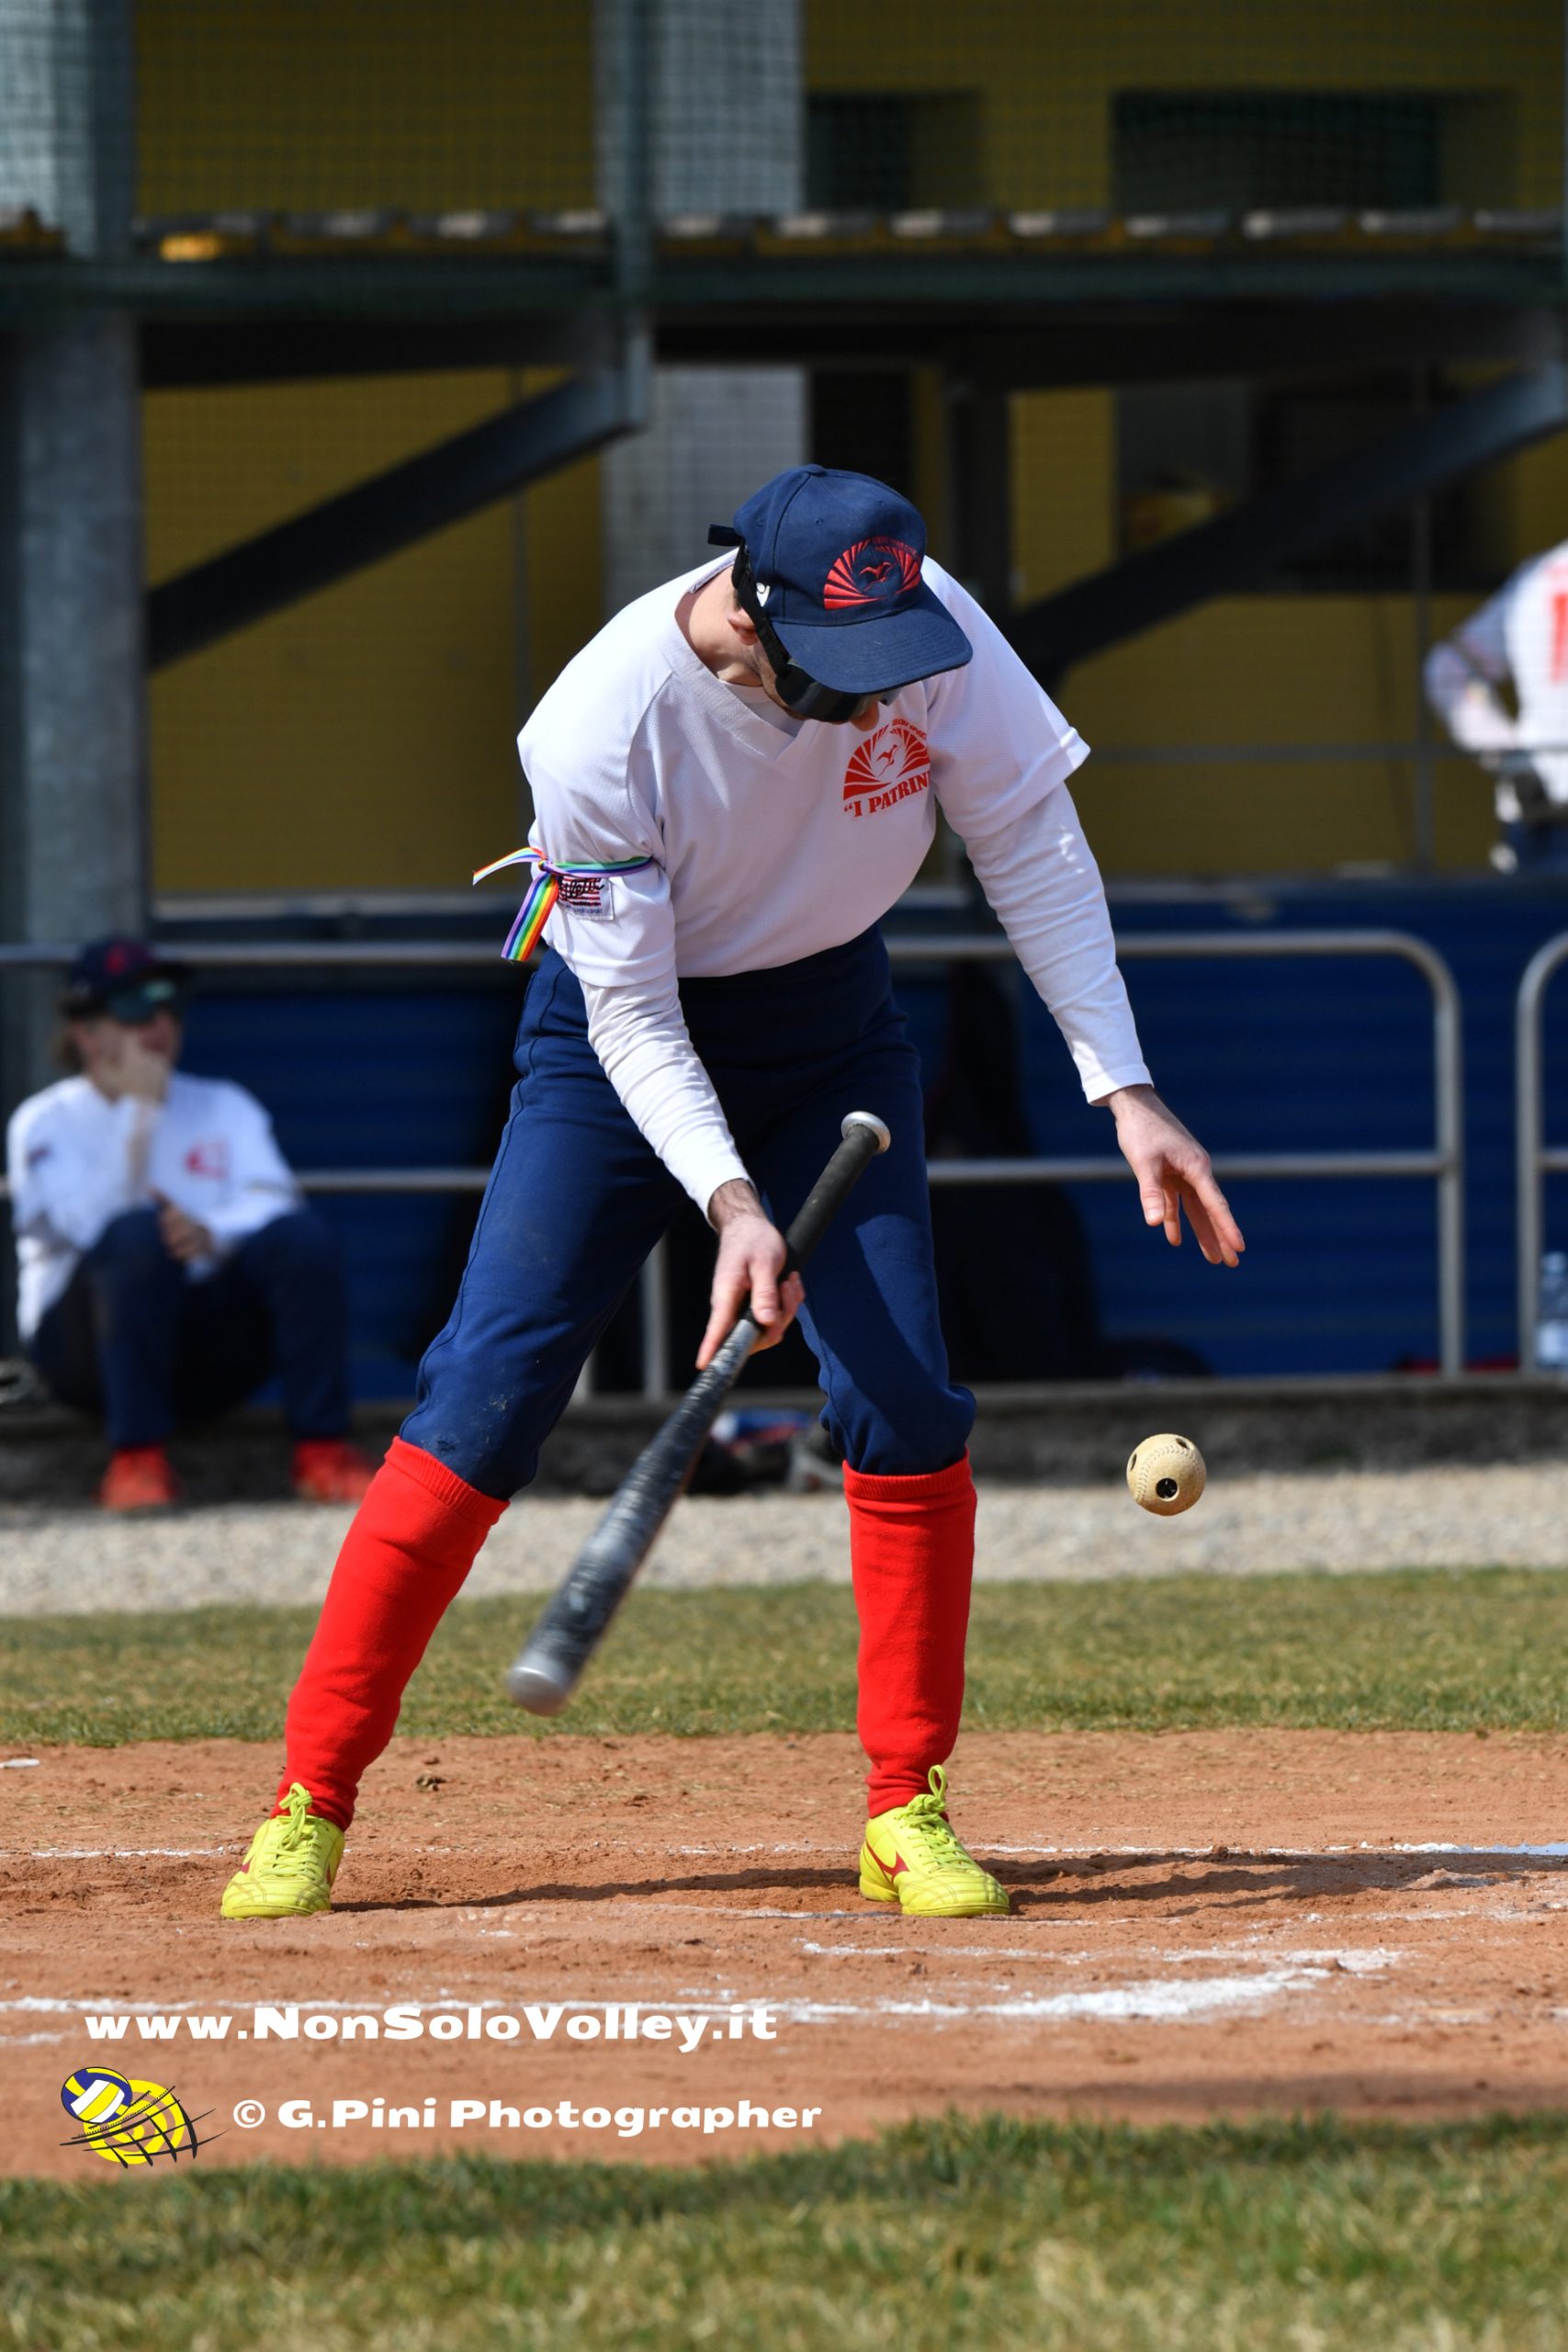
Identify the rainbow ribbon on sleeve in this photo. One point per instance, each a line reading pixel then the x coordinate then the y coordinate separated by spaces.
pixel 538 906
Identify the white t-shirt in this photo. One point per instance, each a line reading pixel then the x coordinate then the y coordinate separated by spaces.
pixel 1521 634
pixel 774 842
pixel 75 1161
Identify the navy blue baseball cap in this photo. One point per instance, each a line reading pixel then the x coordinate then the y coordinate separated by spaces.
pixel 838 556
pixel 126 979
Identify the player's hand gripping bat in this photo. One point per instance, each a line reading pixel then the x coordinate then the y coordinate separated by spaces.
pixel 552 1661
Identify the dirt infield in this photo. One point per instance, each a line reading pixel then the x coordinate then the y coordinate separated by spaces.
pixel 1206 1924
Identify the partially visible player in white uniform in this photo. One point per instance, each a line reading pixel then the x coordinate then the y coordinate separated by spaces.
pixel 733 784
pixel 1518 643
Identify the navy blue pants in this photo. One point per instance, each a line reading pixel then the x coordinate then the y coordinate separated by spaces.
pixel 133 1339
pixel 576 1199
pixel 1538 848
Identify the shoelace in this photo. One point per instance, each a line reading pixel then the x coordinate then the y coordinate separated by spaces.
pixel 294 1845
pixel 926 1827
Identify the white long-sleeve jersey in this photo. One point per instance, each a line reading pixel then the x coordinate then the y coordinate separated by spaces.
pixel 76 1161
pixel 1521 634
pixel 770 839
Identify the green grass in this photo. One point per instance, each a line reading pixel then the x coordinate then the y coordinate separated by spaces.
pixel 1471 1649
pixel 937 2237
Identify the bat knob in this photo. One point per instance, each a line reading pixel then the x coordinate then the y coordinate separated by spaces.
pixel 871 1123
pixel 539 1683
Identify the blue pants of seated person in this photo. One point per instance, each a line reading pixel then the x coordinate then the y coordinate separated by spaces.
pixel 576 1199
pixel 135 1340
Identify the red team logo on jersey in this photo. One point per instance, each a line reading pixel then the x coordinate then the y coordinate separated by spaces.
pixel 872 572
pixel 1557 586
pixel 889 766
pixel 209 1158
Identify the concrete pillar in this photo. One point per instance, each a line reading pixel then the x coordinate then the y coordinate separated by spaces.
pixel 74 855
pixel 727 117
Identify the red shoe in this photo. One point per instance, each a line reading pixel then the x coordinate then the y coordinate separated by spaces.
pixel 330 1470
pixel 140 1477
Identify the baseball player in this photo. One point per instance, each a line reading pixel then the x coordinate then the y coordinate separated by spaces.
pixel 1520 638
pixel 165 1260
pixel 734 781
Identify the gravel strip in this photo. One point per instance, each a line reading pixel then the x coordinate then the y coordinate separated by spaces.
pixel 1512 1515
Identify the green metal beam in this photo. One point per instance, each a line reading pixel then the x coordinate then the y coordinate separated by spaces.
pixel 392 511
pixel 383 284
pixel 1252 541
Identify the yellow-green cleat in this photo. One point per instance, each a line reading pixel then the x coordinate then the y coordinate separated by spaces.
pixel 289 1872
pixel 911 1857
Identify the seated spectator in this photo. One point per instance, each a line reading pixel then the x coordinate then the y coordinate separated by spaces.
pixel 167 1262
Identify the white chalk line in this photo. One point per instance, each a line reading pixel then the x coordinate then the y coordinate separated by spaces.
pixel 1349 1959
pixel 1158 2000
pixel 1150 1851
pixel 116 1853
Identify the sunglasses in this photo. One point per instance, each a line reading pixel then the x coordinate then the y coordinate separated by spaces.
pixel 135 1007
pixel 803 696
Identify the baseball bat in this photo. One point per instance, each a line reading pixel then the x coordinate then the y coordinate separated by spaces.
pixel 547 1667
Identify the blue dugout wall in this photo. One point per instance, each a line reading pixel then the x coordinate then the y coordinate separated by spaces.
pixel 1263 1057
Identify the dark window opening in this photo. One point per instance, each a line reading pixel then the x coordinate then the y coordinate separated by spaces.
pixel 1299 429
pixel 1187 451
pixel 865 423
pixel 1234 150
pixel 872 151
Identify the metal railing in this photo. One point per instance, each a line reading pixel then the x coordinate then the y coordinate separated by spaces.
pixel 1534 1159
pixel 1443 1164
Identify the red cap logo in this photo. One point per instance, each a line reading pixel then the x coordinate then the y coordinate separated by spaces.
pixel 872 572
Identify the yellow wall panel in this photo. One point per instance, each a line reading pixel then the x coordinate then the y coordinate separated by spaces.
pixel 311 105
pixel 362 738
pixel 1046 72
pixel 564 591
pixel 1267 671
pixel 1064 456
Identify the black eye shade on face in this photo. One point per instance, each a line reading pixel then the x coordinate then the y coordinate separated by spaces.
pixel 801 693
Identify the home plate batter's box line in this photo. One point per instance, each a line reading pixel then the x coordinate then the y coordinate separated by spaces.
pixel 1185 1853
pixel 1556 1851
pixel 1158 2000
pixel 1349 1957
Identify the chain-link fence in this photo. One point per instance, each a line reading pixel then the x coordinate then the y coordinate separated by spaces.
pixel 350 227
pixel 344 120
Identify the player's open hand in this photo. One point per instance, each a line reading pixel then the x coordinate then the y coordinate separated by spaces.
pixel 750 1259
pixel 1173 1173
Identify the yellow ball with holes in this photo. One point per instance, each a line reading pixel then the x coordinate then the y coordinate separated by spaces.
pixel 1165 1474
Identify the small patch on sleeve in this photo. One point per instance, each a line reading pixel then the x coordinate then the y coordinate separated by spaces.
pixel 589 895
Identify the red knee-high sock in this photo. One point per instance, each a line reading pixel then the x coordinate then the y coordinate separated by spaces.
pixel 912 1554
pixel 412 1541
